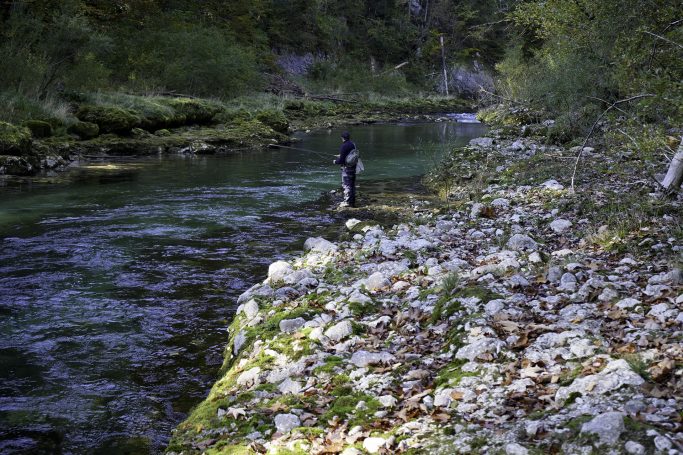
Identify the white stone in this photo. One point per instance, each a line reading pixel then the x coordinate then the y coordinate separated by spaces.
pixel 519 242
pixel 483 142
pixel 627 303
pixel 319 244
pixel 286 422
pixel 350 224
pixel 291 325
pixel 373 445
pixel 663 443
pixel 535 258
pixel 364 358
pixel 358 297
pixel 249 378
pixel 616 374
pixel 661 312
pixel 250 309
pixel 494 307
pixel 377 281
pixel 552 185
pixel 479 347
pixel 240 339
pixel 388 401
pixel 515 449
pixel 560 225
pixel 277 271
pixel 608 427
pixel 634 448
pixel 290 386
pixel 500 203
pixel 339 331
pixel 442 398
pixel 351 451
pixel 477 210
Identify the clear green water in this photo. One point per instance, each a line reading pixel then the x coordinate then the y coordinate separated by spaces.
pixel 117 282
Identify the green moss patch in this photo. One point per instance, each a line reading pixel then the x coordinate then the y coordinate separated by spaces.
pixel 14 140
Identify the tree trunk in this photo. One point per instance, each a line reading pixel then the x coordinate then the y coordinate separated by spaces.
pixel 674 176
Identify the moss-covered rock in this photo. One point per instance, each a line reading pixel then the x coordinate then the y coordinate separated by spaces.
pixel 194 110
pixel 110 119
pixel 274 119
pixel 84 130
pixel 14 140
pixel 38 128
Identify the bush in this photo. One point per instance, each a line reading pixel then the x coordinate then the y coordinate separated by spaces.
pixel 202 61
pixel 274 119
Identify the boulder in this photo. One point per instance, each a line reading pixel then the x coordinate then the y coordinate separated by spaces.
pixel 38 128
pixel 110 119
pixel 14 140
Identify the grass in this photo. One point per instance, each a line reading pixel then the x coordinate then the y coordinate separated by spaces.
pixel 638 365
pixel 452 374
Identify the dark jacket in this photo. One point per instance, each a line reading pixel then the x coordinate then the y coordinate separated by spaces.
pixel 344 151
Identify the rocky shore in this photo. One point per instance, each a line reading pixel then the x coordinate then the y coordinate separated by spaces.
pixel 521 318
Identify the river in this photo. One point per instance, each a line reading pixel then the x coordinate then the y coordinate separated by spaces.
pixel 118 280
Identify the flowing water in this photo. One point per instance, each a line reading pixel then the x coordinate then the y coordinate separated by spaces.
pixel 117 281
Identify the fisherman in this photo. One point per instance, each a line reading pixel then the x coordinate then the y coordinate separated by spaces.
pixel 348 172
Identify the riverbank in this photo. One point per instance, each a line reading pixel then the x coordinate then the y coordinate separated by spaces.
pixel 98 126
pixel 518 318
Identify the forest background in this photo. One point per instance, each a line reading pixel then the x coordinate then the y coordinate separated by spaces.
pixel 568 58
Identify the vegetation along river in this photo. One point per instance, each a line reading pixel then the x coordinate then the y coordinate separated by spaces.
pixel 117 281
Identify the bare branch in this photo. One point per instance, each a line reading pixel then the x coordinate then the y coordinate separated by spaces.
pixel 664 39
pixel 590 133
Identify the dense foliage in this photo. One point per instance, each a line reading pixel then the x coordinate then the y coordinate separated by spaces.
pixel 575 58
pixel 571 58
pixel 224 49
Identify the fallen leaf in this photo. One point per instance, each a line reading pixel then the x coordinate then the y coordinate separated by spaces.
pixel 457 395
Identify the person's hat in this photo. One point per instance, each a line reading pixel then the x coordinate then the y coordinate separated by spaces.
pixel 345 135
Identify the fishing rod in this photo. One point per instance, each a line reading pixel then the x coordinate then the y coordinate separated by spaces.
pixel 299 149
